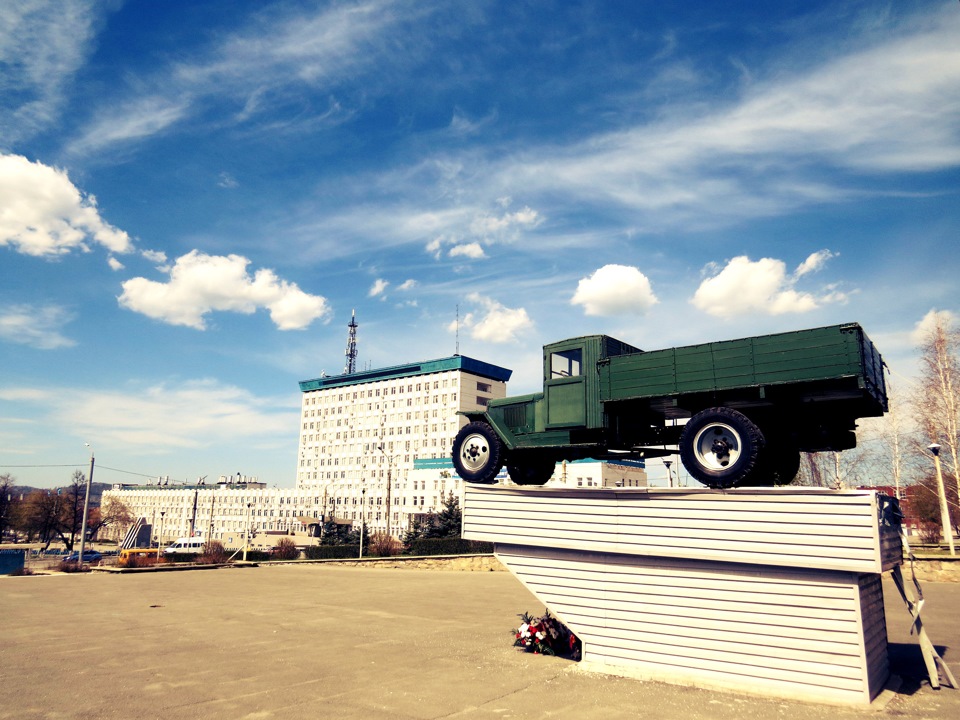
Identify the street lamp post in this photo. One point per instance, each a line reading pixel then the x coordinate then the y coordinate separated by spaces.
pixel 246 535
pixel 941 491
pixel 86 508
pixel 363 519
pixel 389 483
pixel 667 464
pixel 160 534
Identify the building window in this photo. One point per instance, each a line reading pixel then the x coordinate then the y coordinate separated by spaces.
pixel 483 387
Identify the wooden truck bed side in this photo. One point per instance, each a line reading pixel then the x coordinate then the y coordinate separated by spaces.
pixel 840 352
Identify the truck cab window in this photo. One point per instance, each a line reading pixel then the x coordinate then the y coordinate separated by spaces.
pixel 566 363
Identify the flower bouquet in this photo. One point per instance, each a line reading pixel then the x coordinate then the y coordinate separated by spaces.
pixel 546 635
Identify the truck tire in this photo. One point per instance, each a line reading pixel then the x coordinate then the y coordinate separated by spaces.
pixel 778 463
pixel 720 447
pixel 478 453
pixel 535 472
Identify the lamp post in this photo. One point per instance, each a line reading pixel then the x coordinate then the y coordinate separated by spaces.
pixel 389 483
pixel 160 534
pixel 667 464
pixel 86 508
pixel 363 519
pixel 941 491
pixel 246 535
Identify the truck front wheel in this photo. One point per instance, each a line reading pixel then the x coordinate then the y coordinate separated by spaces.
pixel 478 453
pixel 720 447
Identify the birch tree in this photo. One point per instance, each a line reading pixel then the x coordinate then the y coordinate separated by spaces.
pixel 937 397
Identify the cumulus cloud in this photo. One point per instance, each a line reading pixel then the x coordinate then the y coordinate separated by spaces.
pixel 45 215
pixel 493 322
pixel 745 286
pixel 200 284
pixel 114 263
pixel 407 285
pixel 378 288
pixel 155 256
pixel 615 290
pixel 925 328
pixel 473 250
pixel 37 327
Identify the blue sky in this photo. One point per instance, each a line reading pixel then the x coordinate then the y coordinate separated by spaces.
pixel 195 196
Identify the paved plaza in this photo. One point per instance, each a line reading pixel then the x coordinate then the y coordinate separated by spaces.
pixel 321 641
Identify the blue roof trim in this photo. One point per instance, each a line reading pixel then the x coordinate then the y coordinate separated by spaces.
pixel 444 463
pixel 456 362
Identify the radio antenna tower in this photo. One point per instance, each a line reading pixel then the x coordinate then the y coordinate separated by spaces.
pixel 351 366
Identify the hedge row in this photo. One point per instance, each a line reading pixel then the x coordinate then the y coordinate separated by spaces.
pixel 448 546
pixel 433 546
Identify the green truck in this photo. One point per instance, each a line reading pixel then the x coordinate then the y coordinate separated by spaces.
pixel 738 412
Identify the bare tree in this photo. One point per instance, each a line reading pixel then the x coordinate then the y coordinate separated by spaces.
pixel 113 513
pixel 937 397
pixel 6 502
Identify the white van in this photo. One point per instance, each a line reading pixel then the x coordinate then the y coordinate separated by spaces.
pixel 186 545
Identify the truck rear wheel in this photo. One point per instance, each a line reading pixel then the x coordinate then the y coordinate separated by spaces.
pixel 720 446
pixel 531 473
pixel 478 453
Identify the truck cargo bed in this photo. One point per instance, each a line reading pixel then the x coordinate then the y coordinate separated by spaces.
pixel 838 361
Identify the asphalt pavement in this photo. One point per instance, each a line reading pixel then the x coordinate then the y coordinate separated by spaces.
pixel 318 641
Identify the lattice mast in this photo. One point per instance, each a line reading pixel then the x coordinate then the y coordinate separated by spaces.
pixel 351 366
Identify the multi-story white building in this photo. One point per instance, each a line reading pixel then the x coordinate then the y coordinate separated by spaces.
pixel 363 434
pixel 221 511
pixel 374 445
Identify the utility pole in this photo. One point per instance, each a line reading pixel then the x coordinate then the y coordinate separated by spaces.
pixel 86 507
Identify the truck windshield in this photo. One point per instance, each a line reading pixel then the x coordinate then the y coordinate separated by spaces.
pixel 566 363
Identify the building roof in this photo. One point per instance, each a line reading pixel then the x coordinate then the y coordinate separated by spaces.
pixel 456 362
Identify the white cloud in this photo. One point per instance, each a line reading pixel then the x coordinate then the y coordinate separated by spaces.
pixel 925 327
pixel 139 118
pixel 378 288
pixel 227 181
pixel 407 285
pixel 814 262
pixel 258 67
pixel 615 290
pixel 493 322
pixel 775 148
pixel 744 286
pixel 155 256
pixel 43 214
pixel 195 414
pixel 473 250
pixel 200 284
pixel 486 226
pixel 114 263
pixel 38 327
pixel 42 45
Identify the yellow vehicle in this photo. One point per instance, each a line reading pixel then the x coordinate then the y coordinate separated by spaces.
pixel 134 552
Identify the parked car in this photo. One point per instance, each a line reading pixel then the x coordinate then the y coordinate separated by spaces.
pixel 89 556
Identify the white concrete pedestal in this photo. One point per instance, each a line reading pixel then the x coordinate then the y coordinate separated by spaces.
pixel 765 590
